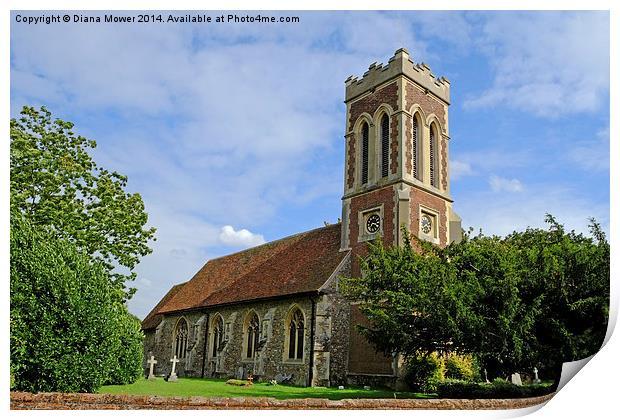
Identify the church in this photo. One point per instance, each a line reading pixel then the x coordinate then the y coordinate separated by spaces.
pixel 275 311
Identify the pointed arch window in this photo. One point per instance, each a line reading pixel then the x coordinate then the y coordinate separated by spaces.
pixel 296 335
pixel 415 140
pixel 252 335
pixel 433 156
pixel 364 153
pixel 180 339
pixel 218 336
pixel 385 145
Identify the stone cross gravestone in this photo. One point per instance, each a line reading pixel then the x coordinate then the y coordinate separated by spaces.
pixel 173 375
pixel 516 379
pixel 536 379
pixel 151 362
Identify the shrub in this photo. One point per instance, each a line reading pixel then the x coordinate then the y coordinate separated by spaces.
pixel 68 325
pixel 238 382
pixel 129 349
pixel 463 367
pixel 454 388
pixel 424 372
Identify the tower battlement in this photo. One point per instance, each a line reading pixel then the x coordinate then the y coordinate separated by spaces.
pixel 399 64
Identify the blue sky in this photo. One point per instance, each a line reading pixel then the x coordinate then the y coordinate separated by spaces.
pixel 233 133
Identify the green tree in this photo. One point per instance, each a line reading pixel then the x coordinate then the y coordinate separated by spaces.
pixel 407 311
pixel 538 297
pixel 55 183
pixel 569 274
pixel 498 326
pixel 76 236
pixel 68 325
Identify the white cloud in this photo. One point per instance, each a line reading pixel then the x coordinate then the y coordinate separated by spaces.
pixel 592 154
pixel 496 157
pixel 434 24
pixel 503 184
pixel 239 238
pixel 501 214
pixel 145 282
pixel 459 169
pixel 549 64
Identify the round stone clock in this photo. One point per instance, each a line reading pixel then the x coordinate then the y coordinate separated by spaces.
pixel 426 224
pixel 373 223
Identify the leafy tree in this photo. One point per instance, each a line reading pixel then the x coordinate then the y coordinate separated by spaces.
pixel 68 326
pixel 55 183
pixel 498 320
pixel 76 236
pixel 569 274
pixel 399 301
pixel 538 297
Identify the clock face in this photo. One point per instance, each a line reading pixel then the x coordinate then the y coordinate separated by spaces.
pixel 426 224
pixel 373 223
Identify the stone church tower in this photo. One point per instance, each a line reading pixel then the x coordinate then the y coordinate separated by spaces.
pixel 396 157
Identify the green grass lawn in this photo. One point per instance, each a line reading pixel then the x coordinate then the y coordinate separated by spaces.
pixel 187 387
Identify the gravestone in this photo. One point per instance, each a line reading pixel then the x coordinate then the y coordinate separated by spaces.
pixel 536 379
pixel 240 373
pixel 151 362
pixel 281 378
pixel 515 378
pixel 173 375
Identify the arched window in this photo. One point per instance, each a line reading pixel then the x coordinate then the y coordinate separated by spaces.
pixel 296 335
pixel 251 335
pixel 415 147
pixel 180 338
pixel 433 156
pixel 385 145
pixel 218 336
pixel 364 153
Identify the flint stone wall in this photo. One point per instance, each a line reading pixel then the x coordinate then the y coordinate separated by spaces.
pixel 58 401
pixel 330 344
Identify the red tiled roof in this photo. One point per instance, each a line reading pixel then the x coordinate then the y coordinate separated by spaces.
pixel 297 264
pixel 154 317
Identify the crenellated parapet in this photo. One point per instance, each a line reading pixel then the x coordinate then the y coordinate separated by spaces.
pixel 399 64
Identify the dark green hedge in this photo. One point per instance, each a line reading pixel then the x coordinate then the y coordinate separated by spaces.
pixel 129 350
pixel 496 389
pixel 70 331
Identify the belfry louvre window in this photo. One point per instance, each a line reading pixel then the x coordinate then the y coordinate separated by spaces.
pixel 414 147
pixel 296 336
pixel 218 336
pixel 433 157
pixel 180 339
pixel 252 332
pixel 385 145
pixel 365 153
